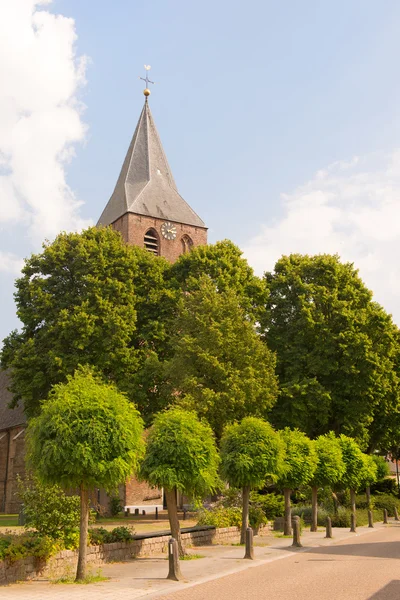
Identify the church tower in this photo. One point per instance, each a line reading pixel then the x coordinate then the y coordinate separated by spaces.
pixel 145 205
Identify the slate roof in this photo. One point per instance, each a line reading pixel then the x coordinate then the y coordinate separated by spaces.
pixel 9 418
pixel 145 185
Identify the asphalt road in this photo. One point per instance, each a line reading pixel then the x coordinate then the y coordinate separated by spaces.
pixel 363 568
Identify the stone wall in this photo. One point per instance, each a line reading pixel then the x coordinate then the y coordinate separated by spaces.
pixel 64 563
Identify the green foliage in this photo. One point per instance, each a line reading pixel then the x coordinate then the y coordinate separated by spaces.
pixel 76 301
pixel 181 453
pixel 301 459
pixel 330 466
pixel 305 512
pixel 221 517
pixel 387 501
pixel 115 505
pixel 271 504
pixel 87 433
pixel 50 511
pixel 369 471
pixel 355 474
pixel 337 350
pixel 251 451
pixel 16 547
pixel 99 535
pixel 222 263
pixel 385 486
pixel 256 516
pixel 220 366
pixel 382 467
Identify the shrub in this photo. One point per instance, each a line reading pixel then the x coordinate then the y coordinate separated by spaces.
pixel 386 486
pixel 342 517
pixel 221 517
pixel 15 547
pixel 115 505
pixel 99 535
pixel 271 504
pixel 387 501
pixel 305 513
pixel 256 516
pixel 50 511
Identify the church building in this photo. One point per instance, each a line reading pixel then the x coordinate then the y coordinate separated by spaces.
pixel 148 210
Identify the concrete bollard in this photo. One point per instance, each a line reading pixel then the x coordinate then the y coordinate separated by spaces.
pixel 174 572
pixel 370 519
pixel 353 523
pixel 249 544
pixel 385 516
pixel 396 514
pixel 296 532
pixel 328 527
pixel 184 514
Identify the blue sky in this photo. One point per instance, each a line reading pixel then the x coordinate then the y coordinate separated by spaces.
pixel 280 121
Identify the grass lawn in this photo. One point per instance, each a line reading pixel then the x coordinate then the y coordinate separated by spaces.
pixel 144 523
pixel 8 520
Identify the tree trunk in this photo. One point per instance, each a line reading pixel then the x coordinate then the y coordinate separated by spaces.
pixel 245 513
pixel 172 507
pixel 368 494
pixel 83 534
pixel 335 503
pixel 353 501
pixel 287 528
pixel 314 516
pixel 397 473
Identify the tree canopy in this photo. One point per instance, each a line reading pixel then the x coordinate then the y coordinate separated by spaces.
pixel 301 459
pixel 76 301
pixel 251 451
pixel 181 455
pixel 330 466
pixel 336 348
pixel 356 468
pixel 220 368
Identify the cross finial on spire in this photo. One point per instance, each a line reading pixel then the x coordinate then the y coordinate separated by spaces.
pixel 146 91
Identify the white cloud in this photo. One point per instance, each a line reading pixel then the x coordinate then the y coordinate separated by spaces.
pixel 40 118
pixel 352 209
pixel 10 263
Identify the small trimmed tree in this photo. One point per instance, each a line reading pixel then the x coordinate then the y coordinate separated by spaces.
pixel 87 435
pixel 354 475
pixel 329 471
pixel 251 451
pixel 299 467
pixel 181 455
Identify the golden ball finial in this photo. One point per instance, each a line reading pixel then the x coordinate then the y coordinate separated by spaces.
pixel 146 92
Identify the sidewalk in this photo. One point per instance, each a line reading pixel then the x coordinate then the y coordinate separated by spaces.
pixel 146 577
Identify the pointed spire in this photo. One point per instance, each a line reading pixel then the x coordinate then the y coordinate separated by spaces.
pixel 145 185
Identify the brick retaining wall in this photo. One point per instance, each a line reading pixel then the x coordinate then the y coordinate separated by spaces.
pixel 64 563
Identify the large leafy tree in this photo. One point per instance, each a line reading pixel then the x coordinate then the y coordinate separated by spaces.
pixel 87 435
pixel 330 469
pixel 225 266
pixel 88 298
pixel 181 455
pixel 220 368
pixel 299 466
pixel 251 451
pixel 336 348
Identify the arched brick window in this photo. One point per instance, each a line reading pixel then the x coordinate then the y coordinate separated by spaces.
pixel 187 244
pixel 151 242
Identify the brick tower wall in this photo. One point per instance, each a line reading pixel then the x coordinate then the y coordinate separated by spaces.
pixel 133 228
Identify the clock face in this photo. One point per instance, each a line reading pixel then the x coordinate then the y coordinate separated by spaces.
pixel 168 230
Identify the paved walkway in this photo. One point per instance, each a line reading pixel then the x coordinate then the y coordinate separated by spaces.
pixel 349 567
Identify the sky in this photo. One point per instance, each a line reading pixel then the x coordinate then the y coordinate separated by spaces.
pixel 280 121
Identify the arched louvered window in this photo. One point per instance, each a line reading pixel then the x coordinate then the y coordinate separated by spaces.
pixel 151 242
pixel 187 244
